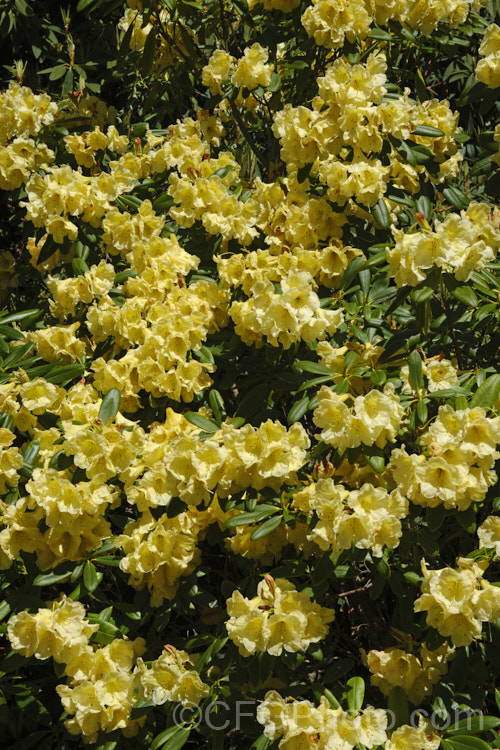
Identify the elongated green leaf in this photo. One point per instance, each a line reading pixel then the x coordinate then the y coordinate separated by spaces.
pixel 466 295
pixel 84 4
pixel 456 197
pixel 244 519
pixel 224 171
pixel 356 694
pixel 200 421
pixel 313 367
pixel 217 405
pixel 175 736
pixel 428 131
pixel 474 723
pixel 266 528
pixel 90 578
pixel 298 410
pixel 110 405
pixel 30 741
pixel 351 271
pixel 398 704
pixel 148 54
pixel 416 372
pixel 381 214
pixel 465 742
pixel 49 579
pixel 30 315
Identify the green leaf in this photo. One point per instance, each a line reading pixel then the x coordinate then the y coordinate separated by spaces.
pixel 202 422
pixel 31 452
pixel 148 54
pixel 58 72
pixel 351 271
pixel 356 694
pixel 30 741
pixel 422 294
pixel 80 268
pixel 245 519
pixel 303 172
pixel 398 704
pixel 217 405
pixel 49 579
pixel 464 742
pixel 339 668
pixel 298 410
pixel 25 315
pixel 380 34
pixel 313 367
pixel 376 462
pixel 381 214
pixel 175 736
pixel 416 372
pixel 466 295
pixel 456 197
pixel 422 411
pixel 110 405
pixel 424 206
pixel 473 724
pixel 266 528
pixel 334 703
pixel 275 82
pixel 90 577
pixel 84 4
pixel 223 171
pixel 487 393
pixel 428 131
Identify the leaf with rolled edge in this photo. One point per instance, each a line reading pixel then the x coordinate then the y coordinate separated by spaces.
pixel 110 405
pixel 266 528
pixel 202 422
pixel 381 214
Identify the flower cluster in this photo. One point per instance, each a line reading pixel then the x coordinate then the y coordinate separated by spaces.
pixel 416 675
pixel 369 517
pixel 103 683
pixel 302 724
pixel 458 466
pixel 461 244
pixel 488 68
pixel 278 618
pixel 373 419
pixel 282 317
pixel 330 21
pixel 457 602
pixel 489 534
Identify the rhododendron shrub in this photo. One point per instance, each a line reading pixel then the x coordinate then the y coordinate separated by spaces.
pixel 249 384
